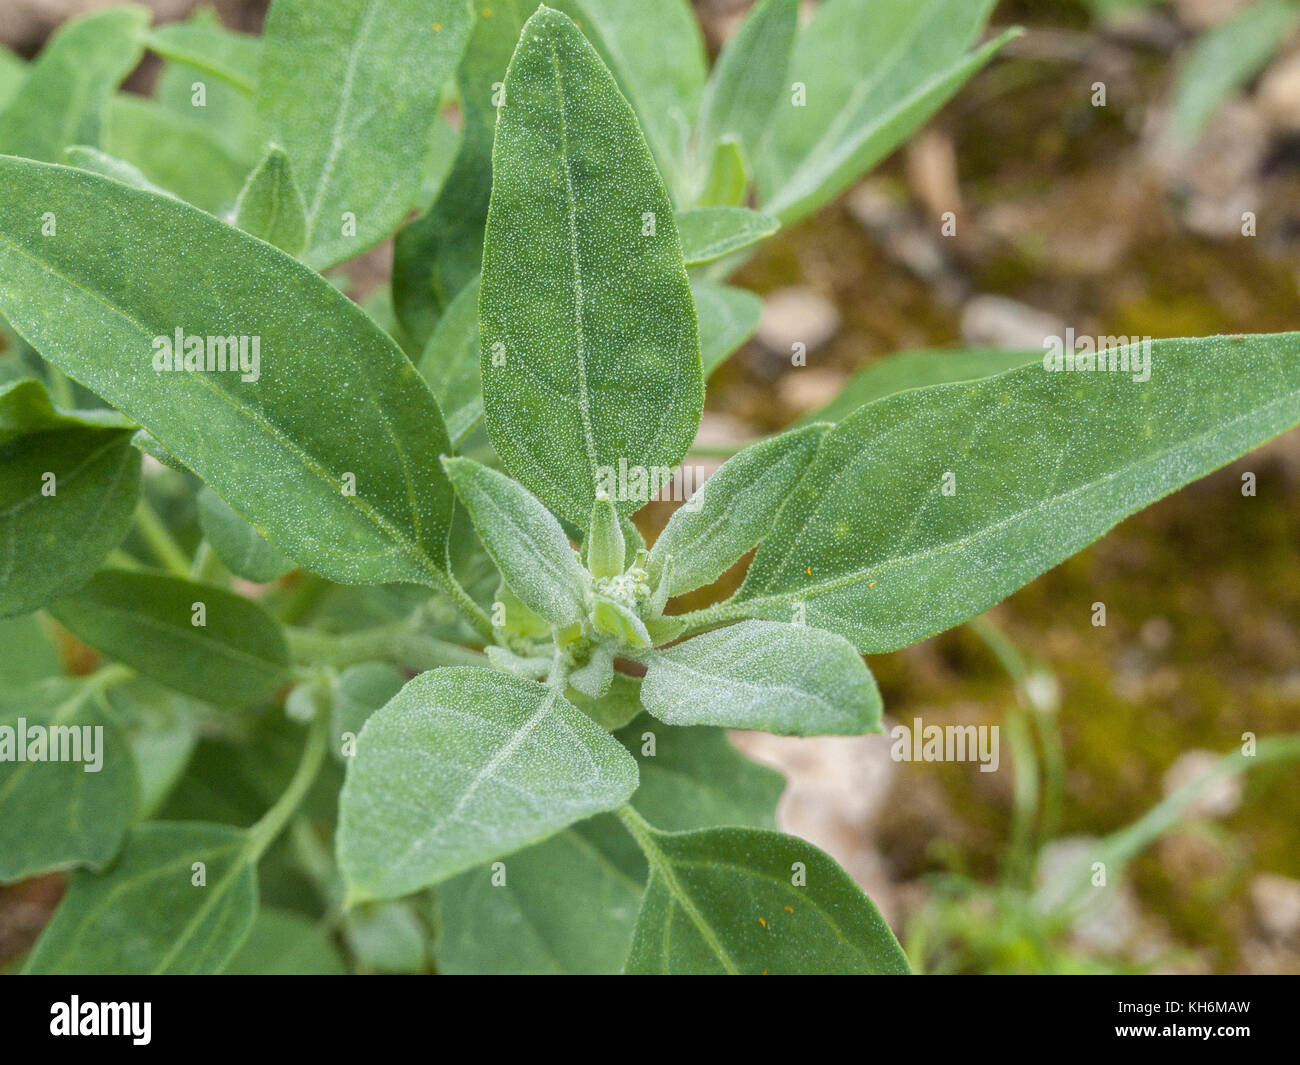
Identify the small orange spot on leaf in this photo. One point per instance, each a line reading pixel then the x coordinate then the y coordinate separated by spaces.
pixel 762 922
pixel 788 910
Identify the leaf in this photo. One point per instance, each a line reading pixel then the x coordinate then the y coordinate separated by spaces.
pixel 732 511
pixel 875 551
pixel 51 543
pixel 465 765
pixel 727 180
pixel 1225 58
pixel 270 206
pixel 387 937
pixel 146 916
pixel 787 679
pixel 162 729
pixel 361 690
pixel 241 548
pixel 728 317
pixel 73 809
pixel 722 901
pixel 204 44
pixel 282 943
pixel 525 541
pixel 125 276
pixel 29 654
pixel 914 55
pixel 450 364
pixel 709 233
pixel 917 369
pixel 619 705
pixel 67 88
pixel 588 325
pixel 146 620
pixel 351 90
pixel 748 79
pixel 97 162
pixel 13 72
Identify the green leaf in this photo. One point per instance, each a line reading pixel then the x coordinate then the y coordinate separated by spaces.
pixel 351 90
pixel 727 180
pixel 876 551
pixel 787 679
pixel 270 206
pixel 241 548
pixel 29 653
pixel 450 364
pixel 126 269
pixel 387 937
pixel 162 729
pixel 51 543
pixel 71 797
pixel 872 72
pixel 203 44
pixel 917 369
pixel 748 79
pixel 619 705
pixel 725 900
pixel 465 765
pixel 732 511
pixel 525 541
pixel 148 620
pixel 728 317
pixel 709 233
pixel 97 162
pixel 13 72
pixel 147 915
pixel 282 943
pixel 67 88
pixel 590 352
pixel 361 690
pixel 1224 58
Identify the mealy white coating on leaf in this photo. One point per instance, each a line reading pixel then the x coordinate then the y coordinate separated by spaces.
pixel 270 205
pixel 788 679
pixel 467 764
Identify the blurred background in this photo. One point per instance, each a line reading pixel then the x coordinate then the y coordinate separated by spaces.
pixel 1118 217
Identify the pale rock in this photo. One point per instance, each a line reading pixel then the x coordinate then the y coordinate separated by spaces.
pixel 1004 323
pixel 797 315
pixel 1219 799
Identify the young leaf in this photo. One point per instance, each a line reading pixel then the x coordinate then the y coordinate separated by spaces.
pixel 587 318
pixel 198 639
pixel 788 679
pixel 911 558
pixel 728 317
pixel 150 914
pixel 62 100
pixel 242 549
pixel 68 489
pixel 361 690
pixel 525 541
pixel 709 233
pixel 367 505
pixel 748 79
pixel 97 162
pixel 67 779
pixel 727 180
pixel 741 900
pixel 465 765
pixel 283 943
pixel 614 709
pixel 205 45
pixel 351 90
pixel 838 121
pixel 270 205
pixel 732 511
pixel 450 363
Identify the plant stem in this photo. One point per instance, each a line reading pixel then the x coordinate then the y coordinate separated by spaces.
pixel 206 565
pixel 470 610
pixel 262 834
pixel 61 389
pixel 709 616
pixel 160 540
pixel 389 643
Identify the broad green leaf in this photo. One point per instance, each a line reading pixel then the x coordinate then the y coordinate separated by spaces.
pixel 741 900
pixel 241 548
pixel 619 705
pixel 67 88
pixel 97 162
pixel 439 253
pixel 748 79
pixel 709 233
pixel 387 937
pixel 351 90
pixel 13 71
pixel 590 351
pixel 67 780
pixel 568 905
pixel 732 511
pixel 465 765
pixel 29 656
pixel 450 363
pixel 728 317
pixel 525 541
pixel 283 943
pixel 656 52
pixel 727 180
pixel 874 548
pixel 68 490
pixel 916 369
pixel 369 504
pixel 871 71
pixel 162 729
pixel 147 915
pixel 270 205
pixel 202 43
pixel 791 680
pixel 196 638
pixel 361 690
pixel 1224 58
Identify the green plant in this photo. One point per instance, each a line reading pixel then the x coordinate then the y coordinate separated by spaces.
pixel 439 722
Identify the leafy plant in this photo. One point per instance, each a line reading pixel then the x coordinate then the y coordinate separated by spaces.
pixel 372 695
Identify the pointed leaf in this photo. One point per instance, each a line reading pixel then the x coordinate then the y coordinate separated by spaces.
pixel 709 233
pixel 450 363
pixel 270 206
pixel 241 548
pixel 728 317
